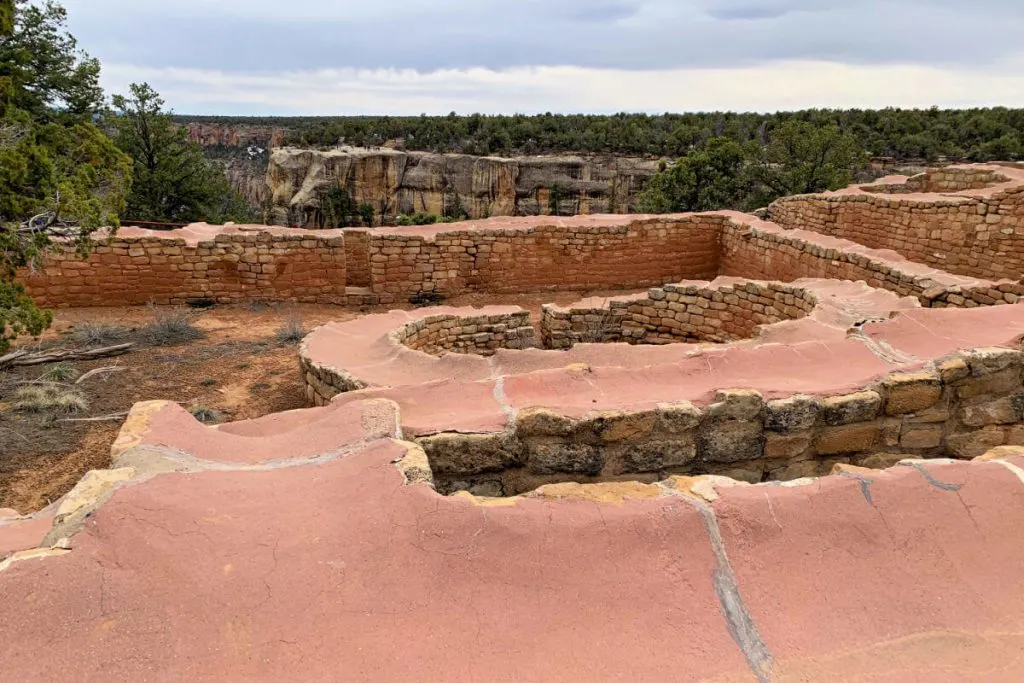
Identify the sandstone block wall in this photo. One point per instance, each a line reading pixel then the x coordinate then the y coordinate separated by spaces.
pixel 978 234
pixel 357 257
pixel 759 254
pixel 960 406
pixel 228 268
pixel 677 312
pixel 639 254
pixel 481 335
pixel 952 179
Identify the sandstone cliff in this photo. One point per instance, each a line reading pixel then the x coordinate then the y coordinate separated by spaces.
pixel 244 150
pixel 396 182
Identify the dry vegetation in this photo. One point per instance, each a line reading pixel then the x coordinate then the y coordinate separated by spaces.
pixel 223 364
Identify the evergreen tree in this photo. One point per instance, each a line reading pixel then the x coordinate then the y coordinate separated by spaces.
pixel 710 178
pixel 172 180
pixel 60 176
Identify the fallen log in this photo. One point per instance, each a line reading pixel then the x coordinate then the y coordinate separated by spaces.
pixel 22 357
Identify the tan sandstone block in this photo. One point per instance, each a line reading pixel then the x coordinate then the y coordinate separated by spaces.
pixel 848 438
pixel 925 436
pixel 973 444
pixel 911 392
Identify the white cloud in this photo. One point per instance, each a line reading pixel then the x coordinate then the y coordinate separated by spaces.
pixel 570 89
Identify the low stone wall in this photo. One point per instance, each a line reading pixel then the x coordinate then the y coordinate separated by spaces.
pixel 959 407
pixel 683 312
pixel 324 382
pixel 765 253
pixel 480 335
pixel 357 257
pixel 227 268
pixel 632 254
pixel 951 179
pixel 976 234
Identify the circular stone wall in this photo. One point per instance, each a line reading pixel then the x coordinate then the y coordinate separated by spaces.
pixel 479 334
pixel 683 312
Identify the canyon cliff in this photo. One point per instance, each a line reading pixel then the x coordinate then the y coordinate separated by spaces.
pixel 244 150
pixel 394 182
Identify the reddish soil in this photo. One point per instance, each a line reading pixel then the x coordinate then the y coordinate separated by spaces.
pixel 238 369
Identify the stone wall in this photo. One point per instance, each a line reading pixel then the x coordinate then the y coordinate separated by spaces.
pixel 977 235
pixel 357 257
pixel 481 335
pixel 683 312
pixel 959 406
pixel 227 268
pixel 760 253
pixel 952 179
pixel 632 255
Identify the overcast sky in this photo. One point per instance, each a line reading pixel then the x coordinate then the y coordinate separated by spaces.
pixel 327 57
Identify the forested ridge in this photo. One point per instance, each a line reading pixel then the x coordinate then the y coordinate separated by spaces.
pixel 902 134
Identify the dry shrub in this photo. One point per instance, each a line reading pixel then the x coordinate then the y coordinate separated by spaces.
pixel 170 327
pixel 48 397
pixel 98 334
pixel 207 415
pixel 291 330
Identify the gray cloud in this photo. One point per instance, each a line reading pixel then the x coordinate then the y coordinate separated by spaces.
pixel 267 35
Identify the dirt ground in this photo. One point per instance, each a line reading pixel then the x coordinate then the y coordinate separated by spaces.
pixel 238 368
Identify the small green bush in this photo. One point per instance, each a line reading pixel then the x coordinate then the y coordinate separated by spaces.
pixel 60 372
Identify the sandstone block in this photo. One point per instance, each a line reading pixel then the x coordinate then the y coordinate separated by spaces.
pixel 653 456
pixel 848 438
pixel 1002 411
pixel 911 392
pixel 736 404
pixel 924 436
pixel 471 453
pixel 543 422
pixel 998 382
pixel 879 461
pixel 850 408
pixel 560 457
pixel 793 414
pixel 677 418
pixel 727 441
pixel 786 446
pixel 975 443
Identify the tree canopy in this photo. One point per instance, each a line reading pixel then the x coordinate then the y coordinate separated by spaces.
pixel 173 181
pixel 799 158
pixel 60 175
pixel 980 134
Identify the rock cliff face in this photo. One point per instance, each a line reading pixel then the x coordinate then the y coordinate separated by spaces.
pixel 396 182
pixel 215 134
pixel 244 150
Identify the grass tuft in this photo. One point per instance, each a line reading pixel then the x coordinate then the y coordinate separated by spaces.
pixel 98 334
pixel 50 398
pixel 60 372
pixel 170 327
pixel 207 415
pixel 291 330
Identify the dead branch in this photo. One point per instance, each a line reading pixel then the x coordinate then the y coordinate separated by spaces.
pixel 101 418
pixel 97 371
pixel 21 358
